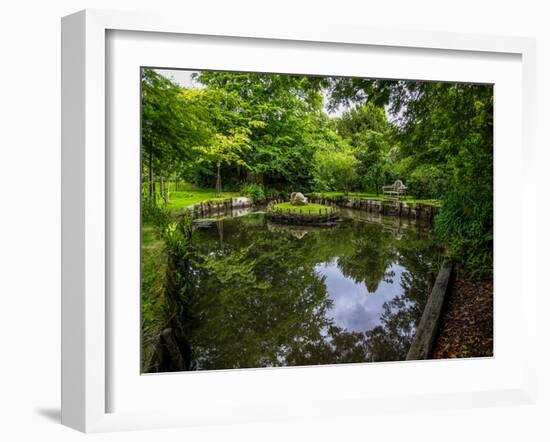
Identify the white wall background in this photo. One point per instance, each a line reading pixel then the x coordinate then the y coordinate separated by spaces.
pixel 30 215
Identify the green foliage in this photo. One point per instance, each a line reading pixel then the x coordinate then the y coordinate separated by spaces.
pixel 253 191
pixel 367 130
pixel 465 224
pixel 363 118
pixel 452 155
pixel 154 214
pixel 189 132
pixel 172 351
pixel 273 193
pixel 444 136
pixel 293 123
pixel 335 170
pixel 153 272
pixel 426 181
pixel 273 130
pixel 226 149
pixel 165 280
pixel 174 121
pixel 176 236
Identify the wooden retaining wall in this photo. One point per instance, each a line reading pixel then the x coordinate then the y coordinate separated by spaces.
pixel 426 331
pixel 327 219
pixel 425 212
pixel 209 208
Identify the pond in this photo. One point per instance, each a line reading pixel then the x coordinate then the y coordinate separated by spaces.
pixel 264 295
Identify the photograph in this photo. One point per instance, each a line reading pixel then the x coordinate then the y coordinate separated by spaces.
pixel 305 220
pixel 302 220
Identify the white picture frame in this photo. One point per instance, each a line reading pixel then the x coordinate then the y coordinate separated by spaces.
pixel 87 209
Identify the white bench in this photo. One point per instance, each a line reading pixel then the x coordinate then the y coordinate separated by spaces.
pixel 395 191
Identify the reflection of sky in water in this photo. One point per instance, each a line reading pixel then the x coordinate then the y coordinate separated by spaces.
pixel 354 308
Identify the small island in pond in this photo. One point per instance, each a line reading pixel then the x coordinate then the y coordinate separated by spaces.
pixel 299 211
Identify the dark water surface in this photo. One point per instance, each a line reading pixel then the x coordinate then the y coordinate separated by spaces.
pixel 263 294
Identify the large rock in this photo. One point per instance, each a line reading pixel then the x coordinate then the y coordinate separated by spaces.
pixel 298 199
pixel 241 201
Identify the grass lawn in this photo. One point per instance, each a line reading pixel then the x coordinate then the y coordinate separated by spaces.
pixel 305 210
pixel 187 195
pixel 149 236
pixel 182 199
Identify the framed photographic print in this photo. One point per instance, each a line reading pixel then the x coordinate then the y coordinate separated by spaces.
pixel 251 213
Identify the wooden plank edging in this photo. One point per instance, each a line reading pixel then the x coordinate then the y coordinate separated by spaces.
pixel 427 328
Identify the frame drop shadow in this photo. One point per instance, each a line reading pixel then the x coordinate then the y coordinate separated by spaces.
pixel 51 414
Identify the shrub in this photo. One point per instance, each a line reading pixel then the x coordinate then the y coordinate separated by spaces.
pixel 155 214
pixel 254 191
pixel 177 235
pixel 426 181
pixel 465 224
pixel 335 170
pixel 273 193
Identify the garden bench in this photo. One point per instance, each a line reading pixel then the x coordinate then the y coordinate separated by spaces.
pixel 395 191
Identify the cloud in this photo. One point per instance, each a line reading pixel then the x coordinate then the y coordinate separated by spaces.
pixel 354 308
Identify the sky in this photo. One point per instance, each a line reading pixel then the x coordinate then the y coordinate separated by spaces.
pixel 183 78
pixel 180 77
pixel 353 306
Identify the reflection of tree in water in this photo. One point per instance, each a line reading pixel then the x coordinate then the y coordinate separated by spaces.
pixel 370 258
pixel 254 298
pixel 391 340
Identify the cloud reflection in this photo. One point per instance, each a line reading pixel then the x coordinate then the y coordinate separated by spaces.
pixel 354 307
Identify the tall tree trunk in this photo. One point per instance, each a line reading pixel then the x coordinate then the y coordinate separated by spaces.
pixel 218 182
pixel 151 184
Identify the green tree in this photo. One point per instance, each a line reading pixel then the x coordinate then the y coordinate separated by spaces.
pixel 445 137
pixel 173 122
pixel 335 169
pixel 226 149
pixel 367 130
pixel 447 130
pixel 291 108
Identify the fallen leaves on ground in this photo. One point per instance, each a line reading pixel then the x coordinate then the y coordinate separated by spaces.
pixel 466 325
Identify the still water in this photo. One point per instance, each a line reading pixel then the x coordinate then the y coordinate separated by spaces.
pixel 264 295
